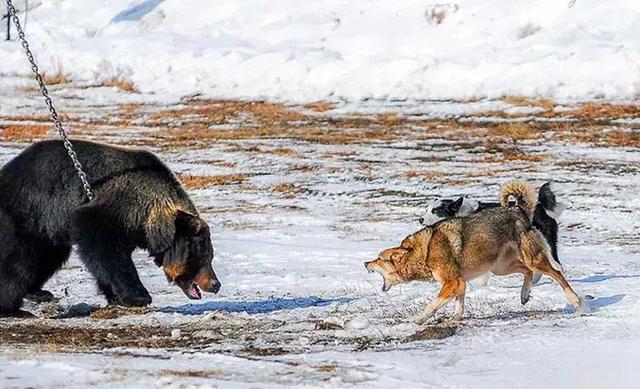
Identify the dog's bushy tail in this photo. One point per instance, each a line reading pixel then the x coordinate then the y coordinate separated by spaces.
pixel 523 193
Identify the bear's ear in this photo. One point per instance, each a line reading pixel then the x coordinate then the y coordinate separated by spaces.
pixel 160 230
pixel 188 224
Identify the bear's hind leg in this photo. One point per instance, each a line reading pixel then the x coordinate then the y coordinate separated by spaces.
pixel 16 272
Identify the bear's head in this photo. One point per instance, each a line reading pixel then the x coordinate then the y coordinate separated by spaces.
pixel 187 261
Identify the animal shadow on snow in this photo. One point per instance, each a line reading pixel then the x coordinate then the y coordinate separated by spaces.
pixel 593 305
pixel 137 11
pixel 605 277
pixel 601 302
pixel 590 279
pixel 255 307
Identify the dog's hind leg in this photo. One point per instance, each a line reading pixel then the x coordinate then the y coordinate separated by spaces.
pixel 483 279
pixel 536 278
pixel 450 289
pixel 536 256
pixel 516 266
pixel 525 292
pixel 572 296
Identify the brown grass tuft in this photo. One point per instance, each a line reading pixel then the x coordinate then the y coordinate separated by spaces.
pixel 431 176
pixel 202 182
pixel 319 106
pixel 519 101
pixel 192 373
pixel 591 111
pixel 514 131
pixel 284 151
pixel 285 188
pixel 120 83
pixel 55 79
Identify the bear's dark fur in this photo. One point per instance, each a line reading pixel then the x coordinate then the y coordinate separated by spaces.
pixel 139 203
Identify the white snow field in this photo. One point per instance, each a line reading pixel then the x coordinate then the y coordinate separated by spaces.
pixel 419 99
pixel 341 49
pixel 297 306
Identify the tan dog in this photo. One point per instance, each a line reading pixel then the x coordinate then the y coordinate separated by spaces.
pixel 454 251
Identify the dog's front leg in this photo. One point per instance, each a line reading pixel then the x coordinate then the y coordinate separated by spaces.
pixel 525 292
pixel 459 311
pixel 450 289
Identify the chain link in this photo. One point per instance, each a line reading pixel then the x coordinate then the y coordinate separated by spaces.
pixel 45 92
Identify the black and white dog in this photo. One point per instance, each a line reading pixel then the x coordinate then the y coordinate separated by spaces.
pixel 545 217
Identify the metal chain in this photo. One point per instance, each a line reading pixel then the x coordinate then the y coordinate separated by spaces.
pixel 54 115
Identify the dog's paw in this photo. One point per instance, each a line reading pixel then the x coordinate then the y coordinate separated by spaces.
pixel 420 320
pixel 524 298
pixel 455 319
pixel 582 308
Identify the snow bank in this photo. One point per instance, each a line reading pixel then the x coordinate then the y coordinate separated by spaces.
pixel 341 49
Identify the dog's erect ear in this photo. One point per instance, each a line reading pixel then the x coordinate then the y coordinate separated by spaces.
pixel 398 254
pixel 188 224
pixel 454 207
pixel 408 243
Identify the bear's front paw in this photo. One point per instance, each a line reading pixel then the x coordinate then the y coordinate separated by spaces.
pixel 19 314
pixel 40 296
pixel 131 300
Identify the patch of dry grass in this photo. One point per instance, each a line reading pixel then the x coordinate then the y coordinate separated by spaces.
pixel 50 336
pixel 592 111
pixel 119 82
pixel 286 188
pixel 430 176
pixel 285 152
pixel 303 169
pixel 192 373
pixel 605 137
pixel 114 312
pixel 23 132
pixel 499 154
pixel 202 182
pixel 546 104
pixel 56 78
pixel 218 112
pixel 319 106
pixel 513 131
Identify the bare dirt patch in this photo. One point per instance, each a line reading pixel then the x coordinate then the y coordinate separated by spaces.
pixel 84 337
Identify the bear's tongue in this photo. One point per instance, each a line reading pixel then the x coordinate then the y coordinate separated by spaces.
pixel 194 292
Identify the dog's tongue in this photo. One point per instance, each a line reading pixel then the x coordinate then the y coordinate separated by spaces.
pixel 194 292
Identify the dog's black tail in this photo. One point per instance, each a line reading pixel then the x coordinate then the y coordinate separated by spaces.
pixel 547 199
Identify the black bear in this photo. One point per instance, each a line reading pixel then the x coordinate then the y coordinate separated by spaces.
pixel 138 202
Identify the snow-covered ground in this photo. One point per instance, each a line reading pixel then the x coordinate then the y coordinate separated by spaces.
pixel 297 306
pixel 341 49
